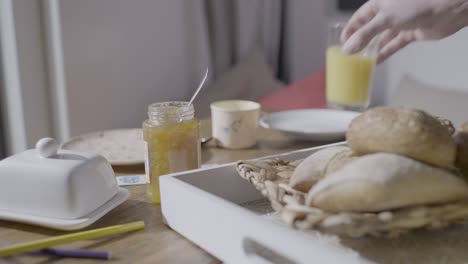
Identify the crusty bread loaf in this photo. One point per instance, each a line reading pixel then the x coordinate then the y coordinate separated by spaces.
pixel 404 131
pixel 385 181
pixel 314 167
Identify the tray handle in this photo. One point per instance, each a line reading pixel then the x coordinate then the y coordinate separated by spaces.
pixel 259 253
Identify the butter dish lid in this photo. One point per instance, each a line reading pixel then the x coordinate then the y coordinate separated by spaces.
pixel 46 151
pixel 48 157
pixel 51 183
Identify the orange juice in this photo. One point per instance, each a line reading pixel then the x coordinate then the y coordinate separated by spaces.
pixel 348 78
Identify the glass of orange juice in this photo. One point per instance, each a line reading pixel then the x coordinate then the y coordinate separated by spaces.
pixel 348 76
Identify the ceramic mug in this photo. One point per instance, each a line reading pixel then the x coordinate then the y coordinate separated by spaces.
pixel 235 123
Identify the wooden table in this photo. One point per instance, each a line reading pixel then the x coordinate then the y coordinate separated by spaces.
pixel 157 243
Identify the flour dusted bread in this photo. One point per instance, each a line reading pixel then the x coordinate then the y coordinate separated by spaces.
pixel 314 167
pixel 385 181
pixel 408 132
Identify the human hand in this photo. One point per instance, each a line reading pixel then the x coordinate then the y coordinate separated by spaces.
pixel 402 22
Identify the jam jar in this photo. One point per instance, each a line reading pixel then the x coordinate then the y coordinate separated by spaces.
pixel 171 133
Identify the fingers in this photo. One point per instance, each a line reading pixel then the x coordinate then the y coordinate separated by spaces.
pixel 386 37
pixel 394 45
pixel 365 34
pixel 361 17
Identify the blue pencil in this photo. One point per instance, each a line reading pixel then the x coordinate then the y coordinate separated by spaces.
pixel 75 253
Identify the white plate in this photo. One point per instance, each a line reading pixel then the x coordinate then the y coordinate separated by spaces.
pixel 66 224
pixel 310 124
pixel 119 147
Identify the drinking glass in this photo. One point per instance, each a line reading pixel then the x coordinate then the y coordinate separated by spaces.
pixel 348 76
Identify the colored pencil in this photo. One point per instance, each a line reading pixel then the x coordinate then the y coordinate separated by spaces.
pixel 64 239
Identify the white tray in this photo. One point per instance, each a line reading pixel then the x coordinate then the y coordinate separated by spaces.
pixel 224 214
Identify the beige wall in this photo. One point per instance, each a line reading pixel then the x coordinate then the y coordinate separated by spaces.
pixel 32 66
pixel 120 56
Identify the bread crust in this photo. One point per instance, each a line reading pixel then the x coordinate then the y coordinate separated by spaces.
pixel 408 132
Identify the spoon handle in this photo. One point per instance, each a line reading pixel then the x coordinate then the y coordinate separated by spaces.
pixel 199 86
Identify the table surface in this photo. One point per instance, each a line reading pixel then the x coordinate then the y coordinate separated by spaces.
pixel 157 243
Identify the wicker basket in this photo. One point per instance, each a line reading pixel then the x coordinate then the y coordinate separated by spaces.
pixel 271 178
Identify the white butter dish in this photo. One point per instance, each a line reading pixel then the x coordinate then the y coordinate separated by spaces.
pixel 57 188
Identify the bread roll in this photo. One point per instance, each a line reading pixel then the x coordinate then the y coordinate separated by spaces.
pixel 313 168
pixel 404 131
pixel 384 181
pixel 339 161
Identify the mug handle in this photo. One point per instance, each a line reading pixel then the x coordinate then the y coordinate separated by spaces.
pixel 267 116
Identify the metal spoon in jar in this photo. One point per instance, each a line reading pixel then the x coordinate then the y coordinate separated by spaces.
pixel 199 87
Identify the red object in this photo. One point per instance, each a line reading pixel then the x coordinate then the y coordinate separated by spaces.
pixel 306 93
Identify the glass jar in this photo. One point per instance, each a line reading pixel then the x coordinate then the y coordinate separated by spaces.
pixel 172 136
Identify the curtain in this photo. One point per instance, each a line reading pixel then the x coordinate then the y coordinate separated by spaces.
pixel 347 5
pixel 236 28
pixel 255 46
pixel 242 43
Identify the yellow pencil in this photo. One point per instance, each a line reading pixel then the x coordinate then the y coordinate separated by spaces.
pixel 64 239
